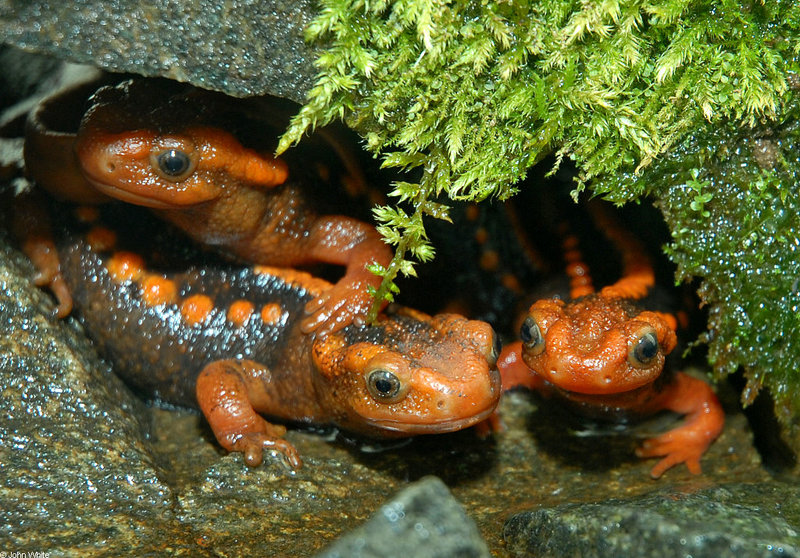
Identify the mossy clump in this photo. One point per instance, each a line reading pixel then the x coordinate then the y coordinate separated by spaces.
pixel 472 94
pixel 729 197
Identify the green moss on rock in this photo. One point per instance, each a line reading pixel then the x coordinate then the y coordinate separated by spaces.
pixel 687 101
pixel 730 198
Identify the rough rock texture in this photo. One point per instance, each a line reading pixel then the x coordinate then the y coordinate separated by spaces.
pixel 75 471
pixel 242 47
pixel 720 522
pixel 424 521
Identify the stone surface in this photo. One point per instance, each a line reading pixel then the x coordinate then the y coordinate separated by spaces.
pixel 76 474
pixel 728 521
pixel 423 520
pixel 241 47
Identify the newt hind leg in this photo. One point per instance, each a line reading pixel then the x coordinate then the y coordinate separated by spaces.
pixel 30 225
pixel 224 389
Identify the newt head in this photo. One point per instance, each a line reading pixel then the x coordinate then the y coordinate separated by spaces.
pixel 595 345
pixel 404 376
pixel 152 144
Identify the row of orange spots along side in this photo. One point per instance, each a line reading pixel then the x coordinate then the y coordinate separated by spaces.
pixel 580 280
pixel 158 290
pixel 240 311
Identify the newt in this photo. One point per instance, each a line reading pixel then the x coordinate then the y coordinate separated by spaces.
pixel 191 329
pixel 604 354
pixel 201 161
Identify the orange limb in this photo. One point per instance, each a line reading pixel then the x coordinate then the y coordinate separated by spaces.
pixel 513 370
pixel 226 390
pixel 492 424
pixel 30 224
pixel 354 244
pixel 688 442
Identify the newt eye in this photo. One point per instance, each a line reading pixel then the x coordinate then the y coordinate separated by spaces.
pixel 531 336
pixel 172 164
pixel 385 386
pixel 644 349
pixel 496 348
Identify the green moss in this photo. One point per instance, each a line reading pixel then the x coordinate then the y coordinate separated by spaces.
pixel 743 239
pixel 474 93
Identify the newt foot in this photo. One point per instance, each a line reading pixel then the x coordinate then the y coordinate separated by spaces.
pixel 56 284
pixel 675 450
pixel 343 304
pixel 253 444
pixel 492 424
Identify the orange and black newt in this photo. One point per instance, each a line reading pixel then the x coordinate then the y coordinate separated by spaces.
pixel 192 329
pixel 193 158
pixel 605 354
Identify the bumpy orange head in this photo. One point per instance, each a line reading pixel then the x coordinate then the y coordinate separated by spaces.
pixel 408 376
pixel 157 144
pixel 595 344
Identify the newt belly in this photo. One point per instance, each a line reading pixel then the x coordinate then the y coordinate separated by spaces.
pixel 201 161
pixel 191 329
pixel 605 354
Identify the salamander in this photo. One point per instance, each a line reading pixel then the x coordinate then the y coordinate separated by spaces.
pixel 201 161
pixel 605 354
pixel 191 329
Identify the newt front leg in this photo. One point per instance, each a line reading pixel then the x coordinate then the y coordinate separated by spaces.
pixel 228 391
pixel 354 244
pixel 30 224
pixel 687 443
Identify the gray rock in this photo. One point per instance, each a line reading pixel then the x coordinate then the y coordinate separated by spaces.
pixel 76 474
pixel 424 521
pixel 241 47
pixel 731 521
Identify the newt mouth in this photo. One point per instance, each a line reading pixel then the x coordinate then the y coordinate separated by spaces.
pixel 127 196
pixel 434 426
pixel 620 399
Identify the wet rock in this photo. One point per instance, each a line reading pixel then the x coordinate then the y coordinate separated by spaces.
pixel 240 47
pixel 721 522
pixel 424 520
pixel 75 472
